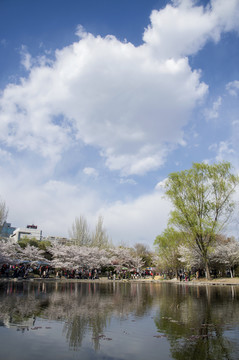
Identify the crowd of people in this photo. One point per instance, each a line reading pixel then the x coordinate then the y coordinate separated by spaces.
pixel 26 270
pixel 15 271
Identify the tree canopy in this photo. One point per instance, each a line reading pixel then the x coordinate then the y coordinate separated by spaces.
pixel 167 247
pixel 203 203
pixel 81 235
pixel 80 232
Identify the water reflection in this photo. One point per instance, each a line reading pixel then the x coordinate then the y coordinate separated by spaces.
pixel 196 319
pixel 193 322
pixel 83 307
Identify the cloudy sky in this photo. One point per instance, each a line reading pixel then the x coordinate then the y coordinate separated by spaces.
pixel 100 100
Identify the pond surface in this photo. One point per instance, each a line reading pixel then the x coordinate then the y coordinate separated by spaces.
pixel 55 320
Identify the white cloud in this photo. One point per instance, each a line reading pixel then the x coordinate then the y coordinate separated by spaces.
pixel 226 14
pixel 90 172
pixel 227 150
pixel 213 113
pixel 139 220
pixel 5 155
pixel 161 185
pixel 183 29
pixel 233 87
pixel 131 104
pixel 224 150
pixel 26 59
pixel 128 181
pixel 53 206
pixel 112 95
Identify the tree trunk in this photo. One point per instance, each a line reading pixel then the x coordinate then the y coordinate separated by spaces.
pixel 208 276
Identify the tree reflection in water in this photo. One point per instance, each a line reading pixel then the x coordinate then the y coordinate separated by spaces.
pixel 83 307
pixel 195 320
pixel 198 322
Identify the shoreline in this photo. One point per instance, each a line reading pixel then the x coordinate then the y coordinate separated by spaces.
pixel 199 282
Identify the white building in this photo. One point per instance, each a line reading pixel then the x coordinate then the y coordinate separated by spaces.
pixel 58 239
pixel 30 232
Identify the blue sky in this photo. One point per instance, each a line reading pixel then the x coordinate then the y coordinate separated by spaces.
pixel 100 100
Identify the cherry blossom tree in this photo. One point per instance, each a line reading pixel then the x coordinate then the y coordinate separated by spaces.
pixel 31 254
pixel 227 254
pixel 190 257
pixel 123 257
pixel 63 256
pixel 9 252
pixel 74 257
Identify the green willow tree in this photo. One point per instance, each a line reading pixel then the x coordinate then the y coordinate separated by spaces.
pixel 203 204
pixel 166 246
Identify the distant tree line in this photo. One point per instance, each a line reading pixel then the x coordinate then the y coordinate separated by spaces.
pixel 72 257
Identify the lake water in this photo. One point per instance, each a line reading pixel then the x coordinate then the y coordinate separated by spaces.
pixel 88 320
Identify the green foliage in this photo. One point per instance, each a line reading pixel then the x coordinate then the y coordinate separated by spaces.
pixel 166 246
pixel 144 253
pixel 44 244
pixel 202 199
pixel 147 260
pixel 23 242
pixel 41 245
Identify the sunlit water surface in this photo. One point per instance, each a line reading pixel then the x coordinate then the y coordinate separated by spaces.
pixel 55 320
